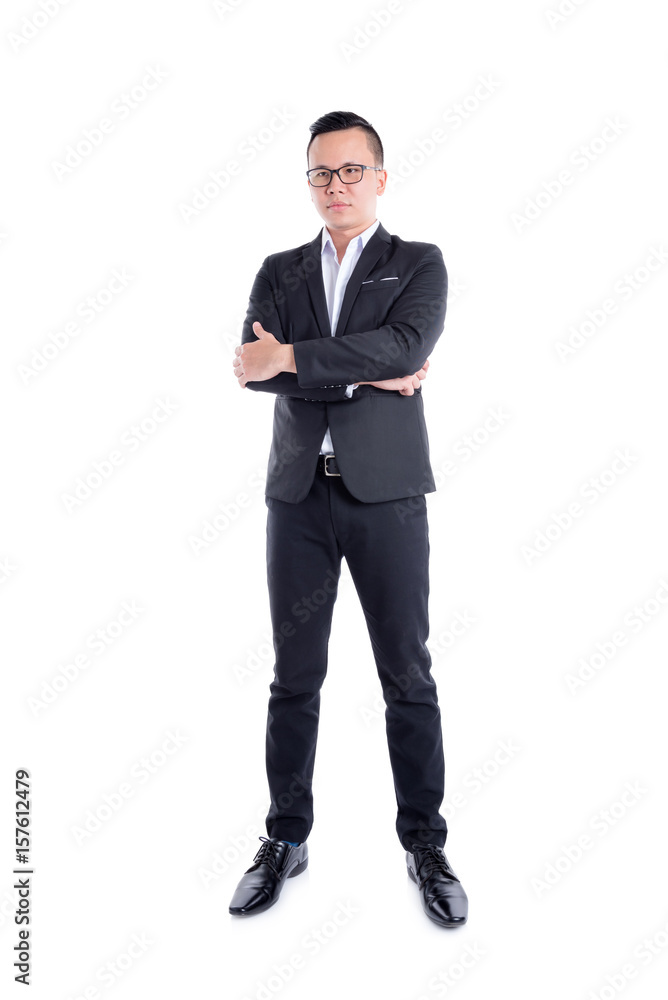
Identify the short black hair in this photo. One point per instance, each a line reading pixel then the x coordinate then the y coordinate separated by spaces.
pixel 335 121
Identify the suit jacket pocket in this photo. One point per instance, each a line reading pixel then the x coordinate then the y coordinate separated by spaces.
pixel 379 284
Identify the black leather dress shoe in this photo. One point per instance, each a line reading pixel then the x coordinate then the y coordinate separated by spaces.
pixel 261 885
pixel 442 894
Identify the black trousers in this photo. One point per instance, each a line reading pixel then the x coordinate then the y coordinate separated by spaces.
pixel 386 546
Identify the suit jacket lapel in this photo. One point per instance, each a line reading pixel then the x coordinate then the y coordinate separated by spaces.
pixel 376 246
pixel 374 249
pixel 312 264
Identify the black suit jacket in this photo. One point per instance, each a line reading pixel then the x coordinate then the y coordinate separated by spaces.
pixel 391 316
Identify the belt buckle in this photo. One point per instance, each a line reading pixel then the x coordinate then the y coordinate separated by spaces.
pixel 327 473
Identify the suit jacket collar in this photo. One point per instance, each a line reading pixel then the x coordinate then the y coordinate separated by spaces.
pixel 376 246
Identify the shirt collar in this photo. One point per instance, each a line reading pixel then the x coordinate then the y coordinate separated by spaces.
pixel 362 238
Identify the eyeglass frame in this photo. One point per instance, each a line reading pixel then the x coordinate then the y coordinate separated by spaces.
pixel 332 172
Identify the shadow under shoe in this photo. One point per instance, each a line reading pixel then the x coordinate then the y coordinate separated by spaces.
pixel 442 894
pixel 261 884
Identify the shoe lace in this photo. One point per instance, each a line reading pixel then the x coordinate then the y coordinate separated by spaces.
pixel 267 855
pixel 429 860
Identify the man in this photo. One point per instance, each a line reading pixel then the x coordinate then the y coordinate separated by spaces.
pixel 340 329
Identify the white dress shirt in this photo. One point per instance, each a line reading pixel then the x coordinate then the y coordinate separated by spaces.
pixel 335 277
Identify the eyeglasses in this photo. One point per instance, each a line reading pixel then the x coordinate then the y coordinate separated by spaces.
pixel 352 173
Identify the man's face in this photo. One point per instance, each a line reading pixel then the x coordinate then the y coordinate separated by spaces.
pixel 345 206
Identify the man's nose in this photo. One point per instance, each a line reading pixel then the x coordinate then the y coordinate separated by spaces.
pixel 336 185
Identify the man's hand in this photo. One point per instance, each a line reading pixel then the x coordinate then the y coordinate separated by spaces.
pixel 263 358
pixel 406 384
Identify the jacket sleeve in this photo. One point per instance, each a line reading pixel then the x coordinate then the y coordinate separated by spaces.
pixel 400 346
pixel 262 307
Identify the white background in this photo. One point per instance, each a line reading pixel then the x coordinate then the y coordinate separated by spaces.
pixel 194 659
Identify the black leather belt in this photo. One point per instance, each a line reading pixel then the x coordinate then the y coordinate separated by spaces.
pixel 327 464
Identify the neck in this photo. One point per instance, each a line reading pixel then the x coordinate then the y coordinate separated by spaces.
pixel 342 237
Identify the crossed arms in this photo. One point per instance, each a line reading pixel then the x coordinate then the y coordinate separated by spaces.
pixel 321 368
